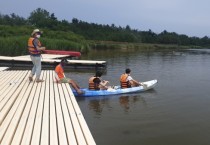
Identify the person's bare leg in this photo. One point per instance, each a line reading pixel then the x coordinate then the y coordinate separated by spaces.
pixel 75 86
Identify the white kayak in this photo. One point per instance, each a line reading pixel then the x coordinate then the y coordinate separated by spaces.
pixel 117 90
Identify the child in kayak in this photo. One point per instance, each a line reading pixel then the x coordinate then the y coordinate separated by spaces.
pixel 95 82
pixel 126 81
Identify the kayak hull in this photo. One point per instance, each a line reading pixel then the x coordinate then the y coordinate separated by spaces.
pixel 117 90
pixel 62 52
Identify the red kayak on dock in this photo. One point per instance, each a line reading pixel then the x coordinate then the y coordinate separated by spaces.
pixel 62 52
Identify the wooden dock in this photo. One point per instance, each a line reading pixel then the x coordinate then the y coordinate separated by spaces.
pixel 39 113
pixel 49 61
pixel 3 68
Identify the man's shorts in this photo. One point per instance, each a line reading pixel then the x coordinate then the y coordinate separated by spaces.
pixel 65 80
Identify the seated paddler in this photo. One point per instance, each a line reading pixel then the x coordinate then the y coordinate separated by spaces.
pixel 96 83
pixel 126 81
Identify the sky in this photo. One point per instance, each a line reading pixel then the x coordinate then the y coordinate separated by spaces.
pixel 189 17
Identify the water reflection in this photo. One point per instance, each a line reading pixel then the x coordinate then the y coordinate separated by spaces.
pixel 98 105
pixel 126 103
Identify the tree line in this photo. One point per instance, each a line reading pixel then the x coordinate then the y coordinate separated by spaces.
pixel 40 18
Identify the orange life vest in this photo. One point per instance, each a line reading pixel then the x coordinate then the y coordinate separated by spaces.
pixel 92 85
pixel 59 71
pixel 31 48
pixel 123 81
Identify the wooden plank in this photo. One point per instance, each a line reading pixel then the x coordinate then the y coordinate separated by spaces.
pixel 21 127
pixel 19 119
pixel 11 89
pixel 45 134
pixel 7 75
pixel 7 79
pixel 59 116
pixel 5 58
pixel 24 130
pixel 3 68
pixel 52 56
pixel 83 124
pixel 53 119
pixel 76 126
pixel 35 140
pixel 9 108
pixel 44 56
pixel 7 83
pixel 17 116
pixel 10 103
pixel 50 60
pixel 87 61
pixel 71 136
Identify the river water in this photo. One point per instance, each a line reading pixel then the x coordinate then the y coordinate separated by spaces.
pixel 175 112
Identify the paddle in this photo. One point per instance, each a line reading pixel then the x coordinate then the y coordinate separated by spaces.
pixel 144 85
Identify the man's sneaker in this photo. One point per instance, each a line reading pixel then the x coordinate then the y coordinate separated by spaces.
pixel 30 79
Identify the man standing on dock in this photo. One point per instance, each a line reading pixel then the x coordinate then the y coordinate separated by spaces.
pixel 35 48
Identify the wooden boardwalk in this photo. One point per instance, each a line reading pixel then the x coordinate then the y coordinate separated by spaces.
pixel 39 113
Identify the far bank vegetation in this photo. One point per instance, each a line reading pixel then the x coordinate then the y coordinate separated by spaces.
pixel 81 36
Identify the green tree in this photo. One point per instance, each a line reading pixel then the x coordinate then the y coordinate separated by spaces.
pixel 13 20
pixel 43 19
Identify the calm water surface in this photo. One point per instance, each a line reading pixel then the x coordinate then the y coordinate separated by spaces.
pixel 176 112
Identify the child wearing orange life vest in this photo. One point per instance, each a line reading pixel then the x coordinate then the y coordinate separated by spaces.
pixel 95 82
pixel 60 77
pixel 127 81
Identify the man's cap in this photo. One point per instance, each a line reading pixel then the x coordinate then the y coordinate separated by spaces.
pixel 36 31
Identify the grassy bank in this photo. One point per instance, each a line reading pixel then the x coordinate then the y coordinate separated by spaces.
pixel 144 46
pixel 13 42
pixel 14 46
